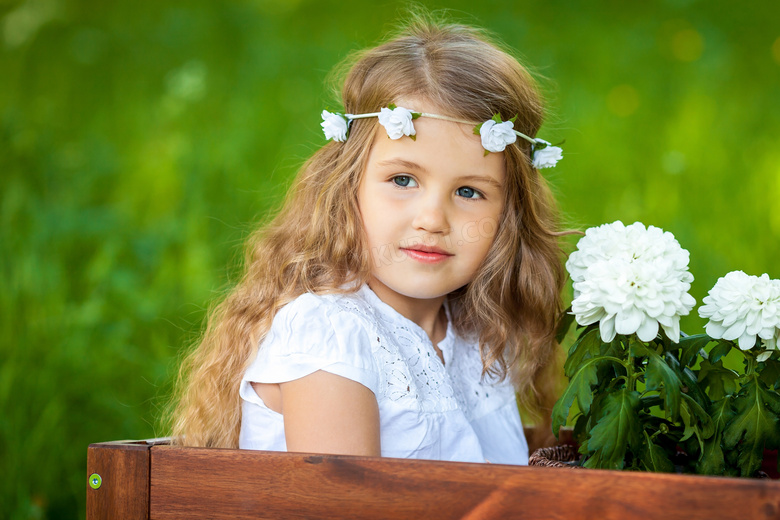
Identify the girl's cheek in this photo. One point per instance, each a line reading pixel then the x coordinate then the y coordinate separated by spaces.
pixel 484 228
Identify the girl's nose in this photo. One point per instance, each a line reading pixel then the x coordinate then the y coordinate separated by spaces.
pixel 431 216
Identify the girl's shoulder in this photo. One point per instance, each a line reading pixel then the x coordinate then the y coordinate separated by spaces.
pixel 351 309
pixel 339 324
pixel 316 332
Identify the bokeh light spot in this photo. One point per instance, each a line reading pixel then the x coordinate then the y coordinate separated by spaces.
pixel 21 24
pixel 687 45
pixel 187 82
pixel 623 100
pixel 673 162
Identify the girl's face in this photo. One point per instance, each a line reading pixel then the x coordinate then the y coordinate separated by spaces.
pixel 430 208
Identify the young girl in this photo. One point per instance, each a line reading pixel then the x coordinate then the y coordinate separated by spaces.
pixel 408 291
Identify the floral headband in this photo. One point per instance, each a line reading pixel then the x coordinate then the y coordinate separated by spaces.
pixel 495 134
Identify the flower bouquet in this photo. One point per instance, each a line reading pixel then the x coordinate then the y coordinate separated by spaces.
pixel 648 397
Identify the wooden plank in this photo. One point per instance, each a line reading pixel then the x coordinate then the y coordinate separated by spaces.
pixel 199 483
pixel 118 480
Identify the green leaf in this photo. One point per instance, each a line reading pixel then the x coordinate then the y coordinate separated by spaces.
pixel 497 118
pixel 754 425
pixel 721 413
pixel 392 106
pixel 477 129
pixel 648 401
pixel 693 389
pixel 688 424
pixel 720 380
pixel 609 375
pixel 415 115
pixel 580 388
pixel 696 421
pixel 613 348
pixel 637 348
pixel 667 345
pixel 616 431
pixel 718 351
pixel 586 346
pixel 654 457
pixel 707 426
pixel 658 374
pixel 688 380
pixel 691 347
pixel 413 137
pixel 770 373
pixel 564 324
pixel 660 377
pixel 580 428
pixel 514 118
pixel 712 460
pixel 732 460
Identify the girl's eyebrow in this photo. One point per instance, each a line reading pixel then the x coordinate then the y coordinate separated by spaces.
pixel 481 178
pixel 397 161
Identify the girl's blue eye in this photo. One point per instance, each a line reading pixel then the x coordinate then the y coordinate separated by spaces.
pixel 468 193
pixel 404 181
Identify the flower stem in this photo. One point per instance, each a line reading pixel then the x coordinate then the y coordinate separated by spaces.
pixel 751 365
pixel 631 375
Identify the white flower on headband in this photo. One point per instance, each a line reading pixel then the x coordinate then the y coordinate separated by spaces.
pixel 496 135
pixel 546 155
pixel 398 121
pixel 335 126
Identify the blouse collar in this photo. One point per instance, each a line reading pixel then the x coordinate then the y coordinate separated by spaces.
pixel 392 314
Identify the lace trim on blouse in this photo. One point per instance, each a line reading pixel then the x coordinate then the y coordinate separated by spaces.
pixel 414 373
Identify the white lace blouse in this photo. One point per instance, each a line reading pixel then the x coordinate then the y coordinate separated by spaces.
pixel 427 410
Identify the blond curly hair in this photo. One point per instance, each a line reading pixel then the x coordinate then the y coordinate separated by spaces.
pixel 316 243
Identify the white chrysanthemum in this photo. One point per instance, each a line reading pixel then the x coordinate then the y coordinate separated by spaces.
pixel 630 279
pixel 742 307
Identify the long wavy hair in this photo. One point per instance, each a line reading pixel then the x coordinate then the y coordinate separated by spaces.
pixel 316 244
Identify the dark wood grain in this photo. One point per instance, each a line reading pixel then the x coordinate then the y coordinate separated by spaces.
pixel 198 483
pixel 124 469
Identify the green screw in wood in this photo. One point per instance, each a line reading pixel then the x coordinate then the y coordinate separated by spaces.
pixel 95 481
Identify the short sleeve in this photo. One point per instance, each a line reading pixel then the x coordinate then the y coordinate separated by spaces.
pixel 313 333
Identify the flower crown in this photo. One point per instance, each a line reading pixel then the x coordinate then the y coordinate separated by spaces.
pixel 495 134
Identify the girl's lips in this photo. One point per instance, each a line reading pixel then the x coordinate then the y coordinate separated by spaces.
pixel 429 255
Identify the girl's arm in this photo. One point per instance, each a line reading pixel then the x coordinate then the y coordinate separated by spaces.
pixel 326 413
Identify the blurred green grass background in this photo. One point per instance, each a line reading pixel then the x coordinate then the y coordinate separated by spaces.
pixel 141 141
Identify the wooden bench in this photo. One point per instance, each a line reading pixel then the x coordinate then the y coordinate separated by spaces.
pixel 152 480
